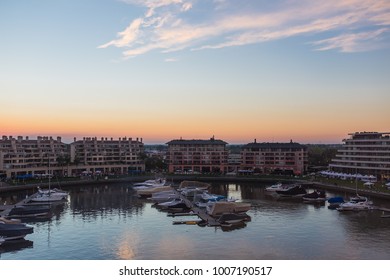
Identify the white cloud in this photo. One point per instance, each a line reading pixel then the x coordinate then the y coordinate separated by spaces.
pixel 169 25
pixel 126 37
pixel 353 42
pixel 171 59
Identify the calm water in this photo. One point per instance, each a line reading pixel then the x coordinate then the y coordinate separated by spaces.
pixel 109 223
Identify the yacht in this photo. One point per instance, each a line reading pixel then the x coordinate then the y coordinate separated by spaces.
pixel 315 196
pixel 13 229
pixel 292 191
pixel 356 205
pixel 275 187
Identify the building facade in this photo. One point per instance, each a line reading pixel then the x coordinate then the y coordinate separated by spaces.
pixel 283 158
pixel 366 153
pixel 197 156
pixel 22 158
pixel 106 155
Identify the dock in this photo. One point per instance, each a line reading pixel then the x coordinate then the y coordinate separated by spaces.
pixel 195 211
pixel 5 209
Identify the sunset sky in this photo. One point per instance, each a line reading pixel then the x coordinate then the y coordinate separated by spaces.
pixel 307 70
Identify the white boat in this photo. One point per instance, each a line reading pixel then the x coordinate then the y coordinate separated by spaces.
pixel 54 191
pixel 174 203
pixel 49 197
pixel 148 192
pixel 149 184
pixel 192 191
pixel 275 187
pixel 356 205
pixel 222 207
pixel 205 199
pixel 2 240
pixel 164 196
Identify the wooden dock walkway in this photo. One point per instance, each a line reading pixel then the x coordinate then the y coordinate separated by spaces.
pixel 196 211
pixel 5 209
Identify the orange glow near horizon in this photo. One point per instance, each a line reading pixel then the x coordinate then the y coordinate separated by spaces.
pixel 161 126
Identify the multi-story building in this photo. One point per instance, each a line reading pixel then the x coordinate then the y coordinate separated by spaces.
pixel 24 158
pixel 366 153
pixel 104 155
pixel 284 158
pixel 199 156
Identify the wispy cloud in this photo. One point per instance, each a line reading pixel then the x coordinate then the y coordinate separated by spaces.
pixel 353 42
pixel 171 59
pixel 172 25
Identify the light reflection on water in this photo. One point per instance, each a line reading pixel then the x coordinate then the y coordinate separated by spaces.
pixel 109 222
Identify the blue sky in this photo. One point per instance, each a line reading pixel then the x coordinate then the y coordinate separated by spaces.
pixel 312 71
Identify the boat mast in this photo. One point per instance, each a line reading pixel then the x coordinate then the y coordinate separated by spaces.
pixel 49 175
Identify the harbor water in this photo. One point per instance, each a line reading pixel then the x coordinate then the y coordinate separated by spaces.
pixel 108 222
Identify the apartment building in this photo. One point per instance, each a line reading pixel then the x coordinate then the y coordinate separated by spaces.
pixel 45 156
pixel 106 155
pixel 197 156
pixel 23 157
pixel 366 153
pixel 283 158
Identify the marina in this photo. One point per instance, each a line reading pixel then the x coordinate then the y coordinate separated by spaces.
pixel 109 221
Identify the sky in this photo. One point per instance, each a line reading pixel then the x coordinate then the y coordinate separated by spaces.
pixel 310 71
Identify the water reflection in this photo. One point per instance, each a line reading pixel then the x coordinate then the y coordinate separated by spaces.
pixel 109 222
pixel 102 201
pixel 15 245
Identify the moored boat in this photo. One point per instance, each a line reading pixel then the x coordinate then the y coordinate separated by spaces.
pixel 49 197
pixel 28 211
pixel 275 187
pixel 292 191
pixel 356 205
pixel 315 196
pixel 11 230
pixel 334 202
pixel 176 203
pixel 164 196
pixel 159 182
pixel 148 192
pixel 222 207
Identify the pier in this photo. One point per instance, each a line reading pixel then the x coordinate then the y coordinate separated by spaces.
pixel 195 211
pixel 5 209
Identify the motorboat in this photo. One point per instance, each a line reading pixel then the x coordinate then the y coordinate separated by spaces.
pixel 191 191
pixel 205 199
pixel 233 217
pixel 334 202
pixel 292 191
pixel 315 196
pixel 174 203
pixel 275 187
pixel 159 182
pixel 2 240
pixel 221 207
pixel 53 192
pixel 11 229
pixel 29 211
pixel 356 205
pixel 164 196
pixel 49 197
pixel 148 192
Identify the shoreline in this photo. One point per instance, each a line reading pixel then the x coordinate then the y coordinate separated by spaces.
pixel 4 189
